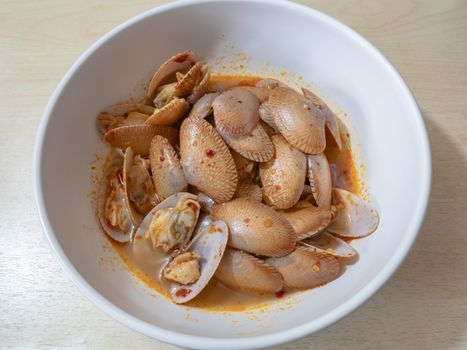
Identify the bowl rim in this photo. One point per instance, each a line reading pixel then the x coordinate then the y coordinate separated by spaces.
pixel 260 341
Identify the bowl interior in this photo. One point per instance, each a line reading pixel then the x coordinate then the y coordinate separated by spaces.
pixel 389 131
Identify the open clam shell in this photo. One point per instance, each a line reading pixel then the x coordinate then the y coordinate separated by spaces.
pixel 248 189
pixel 242 271
pixel 203 107
pixel 305 268
pixel 139 137
pixel 112 210
pixel 255 227
pixel 283 177
pixel 181 62
pixel 327 243
pixel 167 172
pixel 164 94
pixel 256 146
pixel 319 175
pixel 137 186
pixel 189 81
pixel 236 111
pixel 307 221
pixel 181 241
pixel 170 113
pixel 298 120
pixel 200 89
pixel 355 217
pixel 206 160
pixel 209 244
pixel 330 118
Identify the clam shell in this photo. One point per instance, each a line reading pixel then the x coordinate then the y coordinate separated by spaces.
pixel 245 167
pixel 330 118
pixel 305 268
pixel 209 243
pixel 355 217
pixel 170 113
pixel 127 163
pixel 206 160
pixel 203 107
pixel 266 115
pixel 181 62
pixel 261 92
pixel 270 83
pixel 102 195
pixel 307 221
pixel 169 202
pixel 206 202
pixel 255 227
pixel 248 189
pixel 298 120
pixel 106 121
pixel 270 131
pixel 319 175
pixel 167 172
pixel 236 111
pixel 139 137
pixel 327 243
pixel 135 118
pixel 188 82
pixel 165 93
pixel 256 146
pixel 283 177
pixel 202 86
pixel 242 271
pixel 125 108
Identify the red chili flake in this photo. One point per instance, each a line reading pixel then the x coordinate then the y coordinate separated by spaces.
pixel 183 292
pixel 280 294
pixel 120 176
pixel 210 153
pixel 214 229
pixel 162 158
pixel 181 58
pixel 246 220
pixel 277 188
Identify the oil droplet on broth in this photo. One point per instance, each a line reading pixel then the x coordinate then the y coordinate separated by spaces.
pixel 216 296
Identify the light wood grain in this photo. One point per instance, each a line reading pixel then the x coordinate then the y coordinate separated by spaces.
pixel 425 303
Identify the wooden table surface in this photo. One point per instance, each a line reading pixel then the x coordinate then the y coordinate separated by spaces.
pixel 423 306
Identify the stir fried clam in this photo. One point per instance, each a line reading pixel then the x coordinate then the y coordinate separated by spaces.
pixel 112 208
pixel 228 182
pixel 191 254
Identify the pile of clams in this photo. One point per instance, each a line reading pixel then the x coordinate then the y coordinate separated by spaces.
pixel 230 184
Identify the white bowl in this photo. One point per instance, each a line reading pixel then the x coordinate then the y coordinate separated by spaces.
pixel 291 37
